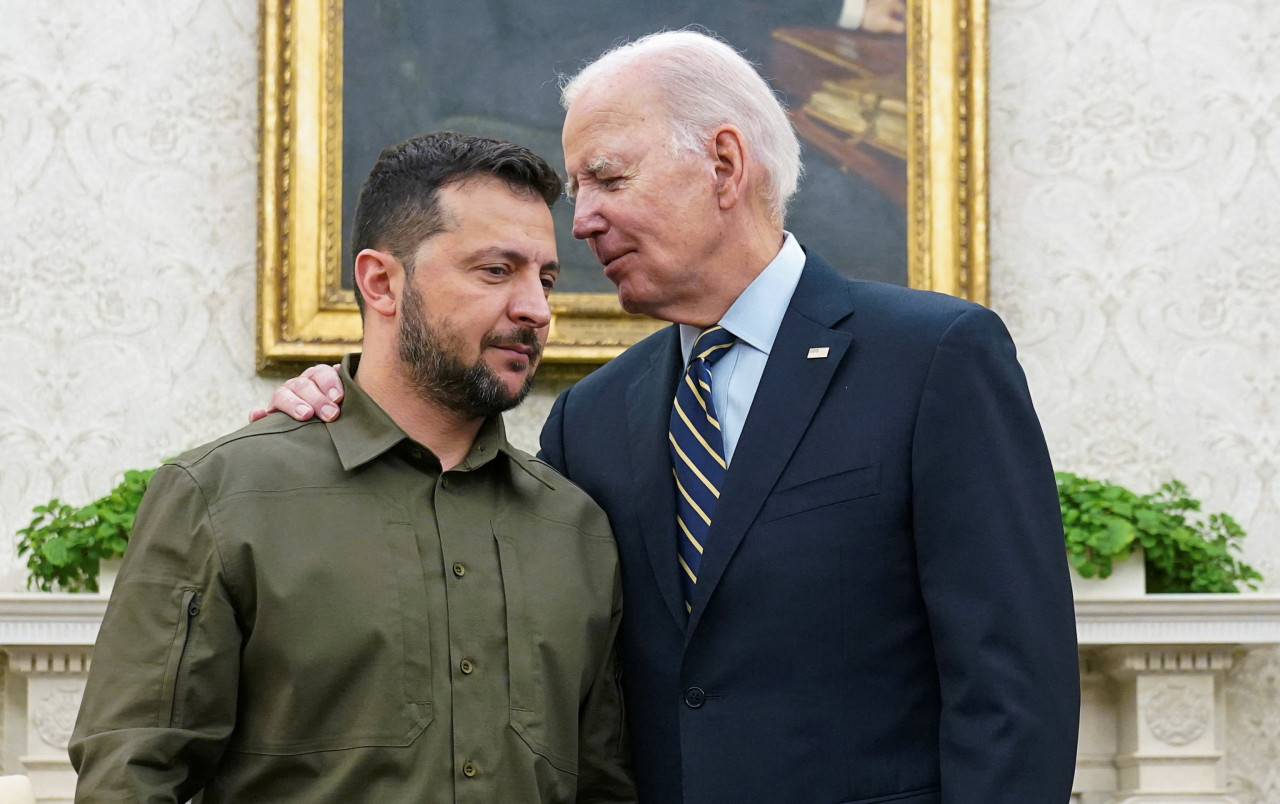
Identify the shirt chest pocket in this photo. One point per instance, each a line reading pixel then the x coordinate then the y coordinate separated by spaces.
pixel 559 586
pixel 336 651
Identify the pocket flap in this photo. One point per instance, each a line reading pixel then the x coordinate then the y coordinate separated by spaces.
pixel 836 487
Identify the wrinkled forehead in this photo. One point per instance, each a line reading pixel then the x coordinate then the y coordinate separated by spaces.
pixel 609 127
pixel 616 102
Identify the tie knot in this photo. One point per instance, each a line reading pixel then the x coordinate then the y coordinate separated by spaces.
pixel 712 343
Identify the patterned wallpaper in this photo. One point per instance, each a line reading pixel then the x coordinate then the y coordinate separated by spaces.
pixel 1135 208
pixel 127 195
pixel 1135 205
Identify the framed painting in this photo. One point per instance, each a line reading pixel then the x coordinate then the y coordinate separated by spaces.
pixel 892 126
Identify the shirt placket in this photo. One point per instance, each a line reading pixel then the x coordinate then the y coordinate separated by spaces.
pixel 477 632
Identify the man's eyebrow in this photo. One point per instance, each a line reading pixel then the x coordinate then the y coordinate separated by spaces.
pixel 602 164
pixel 593 167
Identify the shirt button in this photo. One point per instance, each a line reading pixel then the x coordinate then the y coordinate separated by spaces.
pixel 694 697
pixel 417 454
pixel 444 481
pixel 466 666
pixel 459 570
pixel 468 770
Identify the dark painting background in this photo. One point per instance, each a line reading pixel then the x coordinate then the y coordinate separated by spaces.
pixel 490 67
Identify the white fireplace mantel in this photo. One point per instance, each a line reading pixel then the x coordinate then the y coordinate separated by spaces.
pixel 49 641
pixel 1153 705
pixel 1152 668
pixel 1245 620
pixel 44 620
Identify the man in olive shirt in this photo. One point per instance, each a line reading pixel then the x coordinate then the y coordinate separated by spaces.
pixel 398 606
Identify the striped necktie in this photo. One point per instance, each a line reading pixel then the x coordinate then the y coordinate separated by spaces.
pixel 697 453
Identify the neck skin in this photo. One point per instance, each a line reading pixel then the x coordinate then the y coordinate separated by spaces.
pixel 740 259
pixel 445 432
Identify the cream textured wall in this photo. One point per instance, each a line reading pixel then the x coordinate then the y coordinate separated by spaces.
pixel 1135 241
pixel 1135 216
pixel 127 205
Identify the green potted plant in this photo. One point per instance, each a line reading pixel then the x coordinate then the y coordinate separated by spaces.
pixel 65 545
pixel 1106 524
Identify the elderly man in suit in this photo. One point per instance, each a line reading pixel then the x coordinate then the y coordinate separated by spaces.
pixel 843 571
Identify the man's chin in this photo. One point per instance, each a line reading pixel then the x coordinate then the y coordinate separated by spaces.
pixel 636 305
pixel 627 298
pixel 516 378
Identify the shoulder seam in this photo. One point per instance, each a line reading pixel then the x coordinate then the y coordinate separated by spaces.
pixel 231 438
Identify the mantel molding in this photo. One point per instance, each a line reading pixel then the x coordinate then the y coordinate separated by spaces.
pixel 1245 620
pixel 44 619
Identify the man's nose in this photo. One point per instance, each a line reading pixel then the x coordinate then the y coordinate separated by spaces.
pixel 529 305
pixel 587 218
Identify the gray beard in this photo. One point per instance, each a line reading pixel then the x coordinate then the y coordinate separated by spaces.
pixel 437 375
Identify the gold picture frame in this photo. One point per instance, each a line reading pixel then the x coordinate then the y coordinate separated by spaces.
pixel 306 316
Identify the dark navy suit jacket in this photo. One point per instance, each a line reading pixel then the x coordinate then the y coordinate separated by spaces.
pixel 883 612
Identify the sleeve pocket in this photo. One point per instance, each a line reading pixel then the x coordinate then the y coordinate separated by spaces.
pixel 188 610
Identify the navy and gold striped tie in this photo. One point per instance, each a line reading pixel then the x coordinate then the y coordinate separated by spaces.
pixel 697 453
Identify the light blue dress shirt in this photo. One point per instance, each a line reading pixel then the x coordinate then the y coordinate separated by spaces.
pixel 755 318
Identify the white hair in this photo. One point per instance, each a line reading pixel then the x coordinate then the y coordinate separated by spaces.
pixel 705 83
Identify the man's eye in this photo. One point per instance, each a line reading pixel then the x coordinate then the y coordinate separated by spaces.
pixel 548 281
pixel 609 183
pixel 496 270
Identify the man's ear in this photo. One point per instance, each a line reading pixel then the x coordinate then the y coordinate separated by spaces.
pixel 380 278
pixel 729 154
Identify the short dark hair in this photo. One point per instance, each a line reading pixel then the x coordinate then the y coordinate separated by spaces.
pixel 398 208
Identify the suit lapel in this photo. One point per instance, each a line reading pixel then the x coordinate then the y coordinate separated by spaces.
pixel 649 400
pixel 790 391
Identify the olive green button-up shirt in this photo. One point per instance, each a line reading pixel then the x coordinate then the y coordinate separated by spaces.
pixel 314 612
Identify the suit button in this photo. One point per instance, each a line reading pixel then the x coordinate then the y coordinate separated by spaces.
pixel 694 697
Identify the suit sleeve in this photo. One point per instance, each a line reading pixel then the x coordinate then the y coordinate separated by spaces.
pixel 993 573
pixel 551 441
pixel 604 752
pixel 161 696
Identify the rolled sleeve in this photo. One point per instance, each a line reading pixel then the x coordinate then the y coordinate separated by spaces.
pixel 161 697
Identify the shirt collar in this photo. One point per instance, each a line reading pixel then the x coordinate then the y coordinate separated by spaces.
pixel 364 431
pixel 755 316
pixel 490 442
